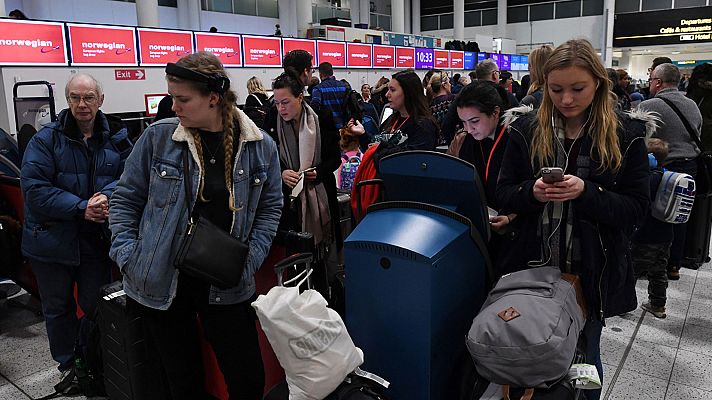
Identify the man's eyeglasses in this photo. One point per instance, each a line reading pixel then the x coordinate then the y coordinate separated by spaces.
pixel 655 79
pixel 89 100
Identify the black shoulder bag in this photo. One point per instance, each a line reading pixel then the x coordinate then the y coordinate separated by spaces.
pixel 208 252
pixel 703 180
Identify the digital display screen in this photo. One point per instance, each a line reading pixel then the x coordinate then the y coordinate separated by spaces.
pixel 424 58
pixel 405 57
pixel 159 47
pixel 151 101
pixel 308 45
pixel 481 57
pixel 30 42
pixel 441 59
pixel 262 51
pixel 470 58
pixel 223 46
pixel 358 55
pixel 102 45
pixel 457 60
pixel 505 62
pixel 384 56
pixel 332 52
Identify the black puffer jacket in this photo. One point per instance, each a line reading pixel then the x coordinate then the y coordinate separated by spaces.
pixel 604 215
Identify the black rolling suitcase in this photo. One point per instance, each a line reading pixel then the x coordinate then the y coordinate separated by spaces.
pixel 130 368
pixel 699 231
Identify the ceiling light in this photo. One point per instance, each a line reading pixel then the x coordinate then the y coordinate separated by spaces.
pixel 675 52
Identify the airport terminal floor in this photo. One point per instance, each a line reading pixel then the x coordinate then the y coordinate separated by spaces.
pixel 643 357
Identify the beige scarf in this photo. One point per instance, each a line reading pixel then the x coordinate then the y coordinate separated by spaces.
pixel 299 151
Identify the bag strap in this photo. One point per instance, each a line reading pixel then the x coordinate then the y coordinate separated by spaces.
pixel 691 131
pixel 528 393
pixel 258 99
pixel 187 181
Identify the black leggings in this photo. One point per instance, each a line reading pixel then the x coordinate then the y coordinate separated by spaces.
pixel 230 329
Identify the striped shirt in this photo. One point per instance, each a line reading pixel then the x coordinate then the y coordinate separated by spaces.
pixel 330 94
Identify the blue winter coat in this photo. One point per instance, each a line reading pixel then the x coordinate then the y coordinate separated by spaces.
pixel 58 178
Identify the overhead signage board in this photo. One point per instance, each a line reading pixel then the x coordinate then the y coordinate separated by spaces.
pixel 358 55
pixel 481 57
pixel 516 63
pixel 384 56
pixel 308 45
pixel 505 62
pixel 262 51
pixel 102 45
pixel 497 59
pixel 332 52
pixel 424 58
pixel 226 47
pixel 457 59
pixel 405 57
pixel 441 59
pixel 674 26
pixel 470 60
pixel 32 43
pixel 159 47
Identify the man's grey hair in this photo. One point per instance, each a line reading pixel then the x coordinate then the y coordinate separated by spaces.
pixel 485 68
pixel 668 73
pixel 97 84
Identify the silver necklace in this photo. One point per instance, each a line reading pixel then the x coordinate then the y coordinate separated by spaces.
pixel 212 153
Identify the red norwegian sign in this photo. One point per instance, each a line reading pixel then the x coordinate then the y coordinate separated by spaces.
pixel 405 57
pixel 159 47
pixel 441 59
pixel 358 55
pixel 308 45
pixel 262 51
pixel 457 59
pixel 31 42
pixel 225 47
pixel 332 52
pixel 130 74
pixel 102 45
pixel 384 56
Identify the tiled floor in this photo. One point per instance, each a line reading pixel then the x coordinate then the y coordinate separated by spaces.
pixel 644 357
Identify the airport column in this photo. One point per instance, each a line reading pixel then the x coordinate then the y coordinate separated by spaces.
pixel 607 45
pixel 147 13
pixel 398 16
pixel 365 13
pixel 189 15
pixel 304 17
pixel 415 15
pixel 288 17
pixel 501 19
pixel 625 61
pixel 3 11
pixel 408 15
pixel 458 19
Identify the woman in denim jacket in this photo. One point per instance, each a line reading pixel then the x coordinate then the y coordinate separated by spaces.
pixel 236 175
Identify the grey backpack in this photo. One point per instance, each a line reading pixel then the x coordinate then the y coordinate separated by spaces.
pixel 526 332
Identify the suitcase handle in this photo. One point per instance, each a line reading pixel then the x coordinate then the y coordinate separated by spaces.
pixel 299 258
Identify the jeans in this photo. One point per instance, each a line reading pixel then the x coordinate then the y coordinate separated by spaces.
pixel 650 259
pixel 679 230
pixel 592 333
pixel 56 285
pixel 230 330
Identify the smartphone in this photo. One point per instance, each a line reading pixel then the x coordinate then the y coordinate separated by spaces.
pixel 552 174
pixel 310 169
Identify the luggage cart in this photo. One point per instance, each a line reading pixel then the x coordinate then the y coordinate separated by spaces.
pixel 32 112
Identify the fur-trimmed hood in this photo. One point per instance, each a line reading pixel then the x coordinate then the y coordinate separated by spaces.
pixel 650 119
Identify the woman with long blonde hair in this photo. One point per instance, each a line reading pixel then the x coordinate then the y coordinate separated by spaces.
pixel 581 220
pixel 234 174
pixel 537 59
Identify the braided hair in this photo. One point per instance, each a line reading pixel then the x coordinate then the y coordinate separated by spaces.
pixel 209 64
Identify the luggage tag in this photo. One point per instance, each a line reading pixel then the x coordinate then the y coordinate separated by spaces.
pixel 584 376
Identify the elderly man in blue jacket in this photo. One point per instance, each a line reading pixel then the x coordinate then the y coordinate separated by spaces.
pixel 69 171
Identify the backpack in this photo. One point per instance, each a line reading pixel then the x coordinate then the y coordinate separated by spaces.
pixel 526 333
pixel 351 107
pixel 674 198
pixel 348 170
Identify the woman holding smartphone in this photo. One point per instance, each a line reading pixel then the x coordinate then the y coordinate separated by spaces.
pixel 581 223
